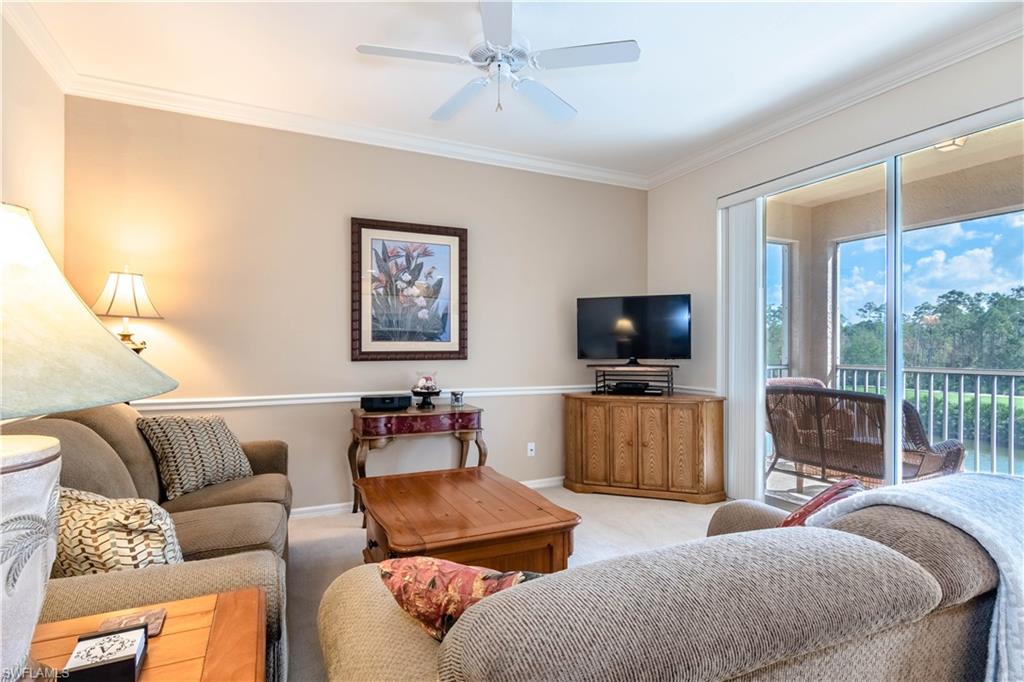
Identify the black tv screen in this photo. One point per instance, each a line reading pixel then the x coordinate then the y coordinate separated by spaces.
pixel 629 327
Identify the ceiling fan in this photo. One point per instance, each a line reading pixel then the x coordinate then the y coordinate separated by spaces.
pixel 502 55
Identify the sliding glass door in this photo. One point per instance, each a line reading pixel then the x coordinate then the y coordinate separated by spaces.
pixel 825 304
pixel 893 318
pixel 962 273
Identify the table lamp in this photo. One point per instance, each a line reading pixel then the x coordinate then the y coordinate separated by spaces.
pixel 125 296
pixel 54 356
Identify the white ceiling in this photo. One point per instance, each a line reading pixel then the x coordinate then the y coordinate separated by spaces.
pixel 708 72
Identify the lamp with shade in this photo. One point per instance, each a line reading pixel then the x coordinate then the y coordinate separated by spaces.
pixel 125 296
pixel 55 355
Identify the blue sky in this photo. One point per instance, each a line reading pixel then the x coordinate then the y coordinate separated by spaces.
pixel 986 254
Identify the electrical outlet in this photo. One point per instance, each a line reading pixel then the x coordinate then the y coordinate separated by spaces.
pixel 531 449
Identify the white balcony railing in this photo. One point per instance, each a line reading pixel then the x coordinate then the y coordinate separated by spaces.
pixel 983 409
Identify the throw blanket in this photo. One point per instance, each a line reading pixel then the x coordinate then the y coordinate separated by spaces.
pixel 989 508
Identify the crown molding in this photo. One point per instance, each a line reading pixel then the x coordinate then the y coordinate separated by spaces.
pixel 26 22
pixel 30 28
pixel 987 36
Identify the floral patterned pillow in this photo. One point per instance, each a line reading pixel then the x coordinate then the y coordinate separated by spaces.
pixel 835 492
pixel 436 592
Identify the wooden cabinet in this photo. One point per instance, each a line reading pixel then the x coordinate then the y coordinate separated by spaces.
pixel 653 453
pixel 622 444
pixel 651 446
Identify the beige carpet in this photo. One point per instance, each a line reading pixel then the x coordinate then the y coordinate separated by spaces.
pixel 323 547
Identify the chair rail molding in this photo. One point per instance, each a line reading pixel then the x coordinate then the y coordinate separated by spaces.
pixel 232 401
pixel 240 401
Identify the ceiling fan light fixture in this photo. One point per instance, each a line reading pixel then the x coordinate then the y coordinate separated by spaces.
pixel 504 53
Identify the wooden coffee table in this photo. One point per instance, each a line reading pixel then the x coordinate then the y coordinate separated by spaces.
pixel 214 637
pixel 472 516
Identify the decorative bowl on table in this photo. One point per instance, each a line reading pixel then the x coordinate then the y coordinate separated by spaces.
pixel 426 388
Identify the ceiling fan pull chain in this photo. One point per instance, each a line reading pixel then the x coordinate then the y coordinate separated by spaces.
pixel 498 108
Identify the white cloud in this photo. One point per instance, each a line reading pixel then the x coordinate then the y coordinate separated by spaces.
pixel 952 234
pixel 972 271
pixel 1017 220
pixel 874 244
pixel 856 290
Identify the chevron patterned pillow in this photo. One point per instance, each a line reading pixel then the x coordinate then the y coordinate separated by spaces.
pixel 97 534
pixel 194 452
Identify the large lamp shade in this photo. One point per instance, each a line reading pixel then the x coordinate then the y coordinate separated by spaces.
pixel 55 354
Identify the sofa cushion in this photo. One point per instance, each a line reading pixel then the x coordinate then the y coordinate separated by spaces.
pixel 98 534
pixel 364 635
pixel 961 566
pixel 217 531
pixel 87 462
pixel 194 452
pixel 116 425
pixel 708 610
pixel 436 592
pixel 839 490
pixel 258 488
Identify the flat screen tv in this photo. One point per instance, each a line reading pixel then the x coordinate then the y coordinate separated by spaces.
pixel 633 327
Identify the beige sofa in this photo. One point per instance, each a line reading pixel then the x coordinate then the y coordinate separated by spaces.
pixel 884 594
pixel 233 535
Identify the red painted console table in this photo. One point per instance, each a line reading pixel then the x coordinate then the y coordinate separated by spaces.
pixel 374 430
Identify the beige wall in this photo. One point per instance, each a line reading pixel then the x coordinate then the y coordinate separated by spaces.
pixel 243 235
pixel 682 219
pixel 33 141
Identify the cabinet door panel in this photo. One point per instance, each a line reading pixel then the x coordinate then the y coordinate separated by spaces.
pixel 595 444
pixel 622 444
pixel 653 460
pixel 683 446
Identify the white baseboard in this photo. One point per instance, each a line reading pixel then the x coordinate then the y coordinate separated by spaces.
pixel 322 510
pixel 552 482
pixel 346 507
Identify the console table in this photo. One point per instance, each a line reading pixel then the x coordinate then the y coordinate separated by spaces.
pixel 374 430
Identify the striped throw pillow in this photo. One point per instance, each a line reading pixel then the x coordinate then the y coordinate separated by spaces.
pixel 98 534
pixel 194 452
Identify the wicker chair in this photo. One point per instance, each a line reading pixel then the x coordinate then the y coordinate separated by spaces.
pixel 833 434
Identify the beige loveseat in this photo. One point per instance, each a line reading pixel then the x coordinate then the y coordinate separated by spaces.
pixel 232 535
pixel 885 594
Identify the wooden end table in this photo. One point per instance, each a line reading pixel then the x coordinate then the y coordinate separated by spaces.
pixel 471 516
pixel 374 430
pixel 214 637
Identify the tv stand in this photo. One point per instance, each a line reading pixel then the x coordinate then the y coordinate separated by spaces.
pixel 635 379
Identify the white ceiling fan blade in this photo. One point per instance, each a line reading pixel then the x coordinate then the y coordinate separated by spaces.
pixel 553 105
pixel 381 51
pixel 460 99
pixel 497 19
pixel 587 55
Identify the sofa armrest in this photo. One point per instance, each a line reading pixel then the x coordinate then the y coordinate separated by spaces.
pixel 742 515
pixel 267 456
pixel 85 595
pixel 365 635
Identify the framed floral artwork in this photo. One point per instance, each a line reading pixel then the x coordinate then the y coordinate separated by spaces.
pixel 408 291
